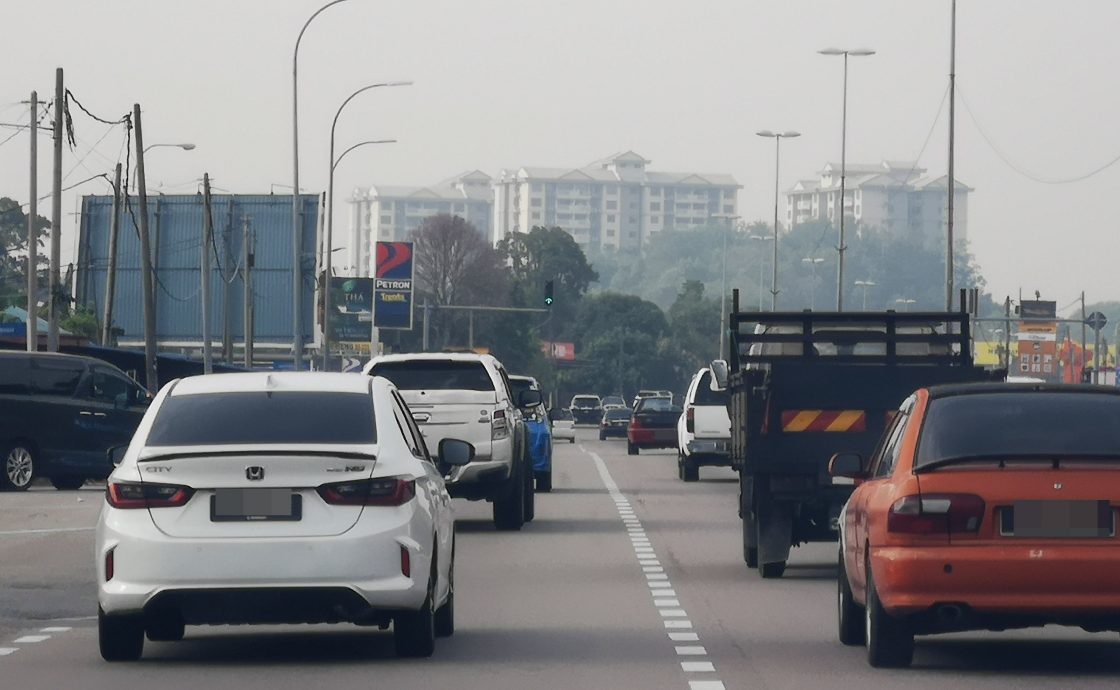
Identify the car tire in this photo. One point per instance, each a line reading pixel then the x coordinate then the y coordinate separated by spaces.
pixel 414 632
pixel 445 615
pixel 602 436
pixel 509 510
pixel 120 638
pixel 690 471
pixel 18 470
pixel 544 482
pixel 166 627
pixel 67 483
pixel 572 440
pixel 890 642
pixel 530 495
pixel 631 449
pixel 772 571
pixel 850 616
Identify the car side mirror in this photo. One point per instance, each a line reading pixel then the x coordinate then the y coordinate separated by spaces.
pixel 719 375
pixel 455 453
pixel 116 454
pixel 848 465
pixel 527 399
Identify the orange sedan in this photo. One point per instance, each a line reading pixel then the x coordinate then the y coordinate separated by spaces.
pixel 985 507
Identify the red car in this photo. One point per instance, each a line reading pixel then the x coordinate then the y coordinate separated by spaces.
pixel 985 507
pixel 652 425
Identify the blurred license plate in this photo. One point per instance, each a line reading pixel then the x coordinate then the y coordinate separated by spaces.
pixel 227 505
pixel 1058 519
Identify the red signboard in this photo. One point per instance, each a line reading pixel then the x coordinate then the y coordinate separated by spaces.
pixel 564 351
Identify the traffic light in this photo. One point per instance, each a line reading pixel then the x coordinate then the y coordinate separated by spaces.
pixel 548 293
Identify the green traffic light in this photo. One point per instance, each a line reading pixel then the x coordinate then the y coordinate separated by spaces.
pixel 548 301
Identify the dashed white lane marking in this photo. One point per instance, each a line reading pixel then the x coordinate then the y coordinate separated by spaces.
pixel 31 639
pixel 56 629
pixel 5 651
pixel 675 619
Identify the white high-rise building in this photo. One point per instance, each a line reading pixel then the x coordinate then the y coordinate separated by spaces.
pixel 894 196
pixel 611 204
pixel 385 213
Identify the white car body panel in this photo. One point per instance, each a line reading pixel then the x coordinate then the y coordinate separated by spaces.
pixel 711 423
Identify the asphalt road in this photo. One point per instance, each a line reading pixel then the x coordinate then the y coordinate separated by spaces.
pixel 628 578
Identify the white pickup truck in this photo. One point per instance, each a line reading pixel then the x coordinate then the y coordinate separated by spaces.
pixel 704 428
pixel 469 397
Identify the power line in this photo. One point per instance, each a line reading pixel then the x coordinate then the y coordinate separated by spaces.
pixel 1035 177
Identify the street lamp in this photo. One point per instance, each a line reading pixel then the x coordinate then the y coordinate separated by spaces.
pixel 859 52
pixel 761 264
pixel 813 288
pixel 185 147
pixel 330 250
pixel 905 303
pixel 297 336
pixel 865 284
pixel 723 281
pixel 777 137
pixel 330 211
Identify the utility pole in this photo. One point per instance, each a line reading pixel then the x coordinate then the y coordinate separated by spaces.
pixel 151 377
pixel 247 286
pixel 54 283
pixel 111 274
pixel 227 290
pixel 32 235
pixel 424 346
pixel 952 125
pixel 1007 333
pixel 1084 345
pixel 207 235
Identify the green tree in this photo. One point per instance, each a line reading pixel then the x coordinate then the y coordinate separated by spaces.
pixel 544 254
pixel 81 321
pixel 694 325
pixel 13 241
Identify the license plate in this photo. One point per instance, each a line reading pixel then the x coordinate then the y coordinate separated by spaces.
pixel 1058 520
pixel 242 505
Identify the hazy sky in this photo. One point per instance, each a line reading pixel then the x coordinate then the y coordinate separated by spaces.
pixel 504 83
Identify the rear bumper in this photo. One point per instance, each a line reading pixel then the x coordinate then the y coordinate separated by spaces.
pixel 709 451
pixel 1061 584
pixel 364 563
pixel 589 416
pixel 619 431
pixel 653 438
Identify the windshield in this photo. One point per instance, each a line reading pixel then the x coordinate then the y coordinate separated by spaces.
pixel 706 396
pixel 618 414
pixel 429 375
pixel 613 400
pixel 656 405
pixel 585 401
pixel 520 385
pixel 1020 424
pixel 264 418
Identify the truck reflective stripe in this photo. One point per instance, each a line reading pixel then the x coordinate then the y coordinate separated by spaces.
pixel 824 420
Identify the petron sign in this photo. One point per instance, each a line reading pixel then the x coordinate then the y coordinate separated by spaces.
pixel 393 286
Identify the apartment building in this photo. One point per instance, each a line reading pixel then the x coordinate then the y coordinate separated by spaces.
pixel 387 213
pixel 893 196
pixel 613 204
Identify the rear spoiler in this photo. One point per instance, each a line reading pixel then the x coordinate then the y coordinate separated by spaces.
pixel 177 454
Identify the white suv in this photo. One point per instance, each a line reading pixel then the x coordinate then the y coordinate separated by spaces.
pixel 469 397
pixel 704 428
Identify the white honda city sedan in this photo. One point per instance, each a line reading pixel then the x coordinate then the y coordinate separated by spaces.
pixel 275 498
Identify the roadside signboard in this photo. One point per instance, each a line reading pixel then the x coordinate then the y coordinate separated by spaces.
pixel 393 287
pixel 351 304
pixel 1038 339
pixel 561 351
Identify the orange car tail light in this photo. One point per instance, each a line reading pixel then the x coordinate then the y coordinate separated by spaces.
pixel 690 420
pixel 936 514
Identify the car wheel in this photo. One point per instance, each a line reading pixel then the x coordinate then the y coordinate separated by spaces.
pixel 445 615
pixel 602 436
pixel 530 495
pixel 890 642
pixel 509 510
pixel 772 571
pixel 572 440
pixel 19 467
pixel 121 638
pixel 631 449
pixel 690 471
pixel 544 481
pixel 414 632
pixel 165 627
pixel 67 483
pixel 850 616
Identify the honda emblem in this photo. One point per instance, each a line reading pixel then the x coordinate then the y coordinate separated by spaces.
pixel 254 473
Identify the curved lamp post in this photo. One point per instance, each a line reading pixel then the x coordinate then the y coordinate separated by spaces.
pixel 297 336
pixel 327 269
pixel 185 147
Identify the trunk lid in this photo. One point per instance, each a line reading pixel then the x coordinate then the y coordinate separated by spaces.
pixel 281 479
pixel 462 414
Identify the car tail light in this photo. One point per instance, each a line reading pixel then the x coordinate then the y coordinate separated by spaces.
pixel 128 495
pixel 635 423
pixel 499 428
pixel 109 563
pixel 936 514
pixel 386 491
pixel 406 562
pixel 690 420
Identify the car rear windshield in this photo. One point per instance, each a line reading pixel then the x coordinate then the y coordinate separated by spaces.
pixel 264 418
pixel 656 405
pixel 435 375
pixel 1023 424
pixel 618 414
pixel 520 385
pixel 706 396
pixel 587 400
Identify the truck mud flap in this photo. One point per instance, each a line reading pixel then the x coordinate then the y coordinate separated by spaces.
pixel 775 533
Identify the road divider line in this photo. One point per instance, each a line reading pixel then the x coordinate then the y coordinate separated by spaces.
pixel 5 651
pixel 665 601
pixel 30 639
